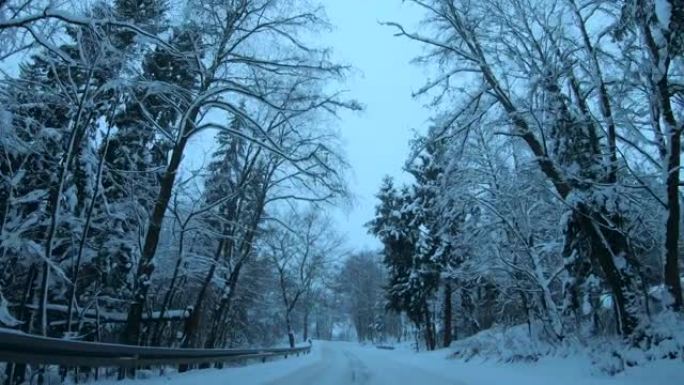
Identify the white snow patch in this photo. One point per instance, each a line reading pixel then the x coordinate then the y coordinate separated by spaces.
pixel 6 319
pixel 663 10
pixel 572 370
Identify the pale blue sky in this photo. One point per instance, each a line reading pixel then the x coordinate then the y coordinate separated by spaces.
pixel 376 139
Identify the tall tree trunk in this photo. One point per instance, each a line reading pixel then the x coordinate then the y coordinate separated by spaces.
pixel 224 305
pixel 430 337
pixel 85 232
pixel 610 244
pixel 674 134
pixel 43 299
pixel 159 328
pixel 613 254
pixel 16 373
pixel 305 333
pixel 672 279
pixel 244 250
pixel 131 334
pixel 660 66
pixel 447 324
pixel 290 332
pixel 55 195
pixel 192 324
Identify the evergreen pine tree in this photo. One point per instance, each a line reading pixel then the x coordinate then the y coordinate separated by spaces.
pixel 413 276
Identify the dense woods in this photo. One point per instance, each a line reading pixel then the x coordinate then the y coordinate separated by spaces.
pixel 115 225
pixel 168 169
pixel 546 189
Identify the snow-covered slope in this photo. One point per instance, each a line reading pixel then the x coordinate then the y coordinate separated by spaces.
pixel 571 370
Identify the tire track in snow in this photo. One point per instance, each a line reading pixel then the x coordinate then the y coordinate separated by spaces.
pixel 349 364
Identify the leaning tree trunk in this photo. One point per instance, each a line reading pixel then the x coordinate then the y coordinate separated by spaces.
pixel 166 302
pixel 609 245
pixel 192 324
pixel 141 285
pixel 224 305
pixel 131 334
pixel 244 250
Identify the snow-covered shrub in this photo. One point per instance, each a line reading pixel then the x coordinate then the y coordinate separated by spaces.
pixel 664 337
pixel 507 344
pixel 661 339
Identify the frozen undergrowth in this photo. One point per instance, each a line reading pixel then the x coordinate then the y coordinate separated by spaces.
pixel 506 344
pixel 663 340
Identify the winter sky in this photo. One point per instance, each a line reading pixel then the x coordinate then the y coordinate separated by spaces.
pixel 376 139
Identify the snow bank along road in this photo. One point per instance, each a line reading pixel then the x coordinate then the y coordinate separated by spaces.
pixel 342 363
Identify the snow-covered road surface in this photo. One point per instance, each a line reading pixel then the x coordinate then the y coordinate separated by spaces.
pixel 346 364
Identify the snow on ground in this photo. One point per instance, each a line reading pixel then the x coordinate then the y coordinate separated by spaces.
pixel 572 370
pixel 343 363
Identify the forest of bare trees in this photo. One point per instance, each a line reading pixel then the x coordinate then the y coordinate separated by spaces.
pixel 109 229
pixel 169 170
pixel 547 188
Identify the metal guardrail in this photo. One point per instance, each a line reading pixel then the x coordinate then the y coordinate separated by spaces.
pixel 29 349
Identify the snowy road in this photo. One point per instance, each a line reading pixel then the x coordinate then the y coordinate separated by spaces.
pixel 344 364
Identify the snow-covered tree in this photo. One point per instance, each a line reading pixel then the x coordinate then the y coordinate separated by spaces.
pixel 413 275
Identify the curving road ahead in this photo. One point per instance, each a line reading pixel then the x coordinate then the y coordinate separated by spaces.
pixel 350 364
